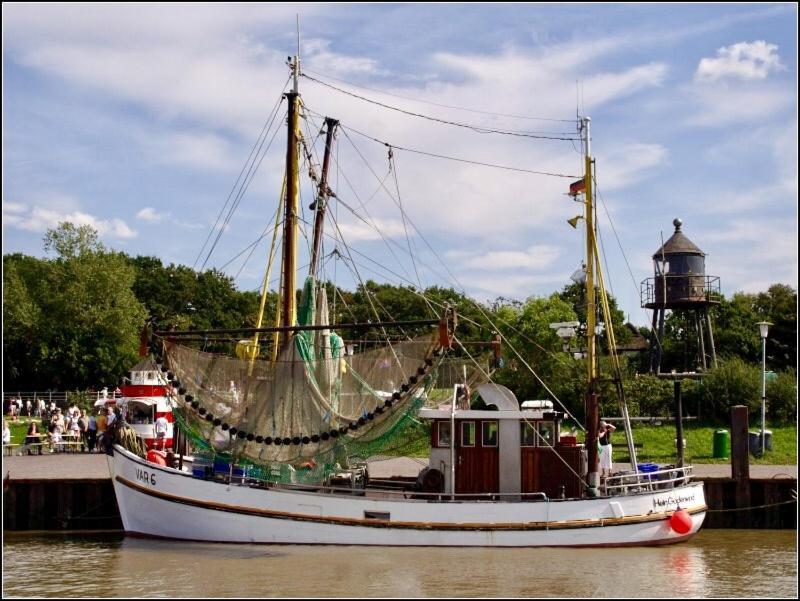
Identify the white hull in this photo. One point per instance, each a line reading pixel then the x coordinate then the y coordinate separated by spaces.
pixel 163 502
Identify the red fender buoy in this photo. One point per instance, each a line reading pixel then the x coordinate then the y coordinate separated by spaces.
pixel 681 521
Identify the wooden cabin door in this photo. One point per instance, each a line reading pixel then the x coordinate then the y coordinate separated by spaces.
pixel 477 457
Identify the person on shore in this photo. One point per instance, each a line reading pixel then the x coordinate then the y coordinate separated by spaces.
pixel 58 421
pixel 55 436
pixel 111 417
pixel 33 437
pixel 102 424
pixel 91 433
pixel 83 424
pixel 74 428
pixel 606 465
pixel 6 433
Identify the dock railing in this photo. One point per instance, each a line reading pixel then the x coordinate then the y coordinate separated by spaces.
pixel 61 398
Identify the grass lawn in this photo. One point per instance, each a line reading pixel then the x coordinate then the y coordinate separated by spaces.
pixel 20 428
pixel 658 444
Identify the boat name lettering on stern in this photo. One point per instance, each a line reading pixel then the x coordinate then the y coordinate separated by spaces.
pixel 146 477
pixel 660 503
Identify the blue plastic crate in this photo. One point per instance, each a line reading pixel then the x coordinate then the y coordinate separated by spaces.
pixel 646 468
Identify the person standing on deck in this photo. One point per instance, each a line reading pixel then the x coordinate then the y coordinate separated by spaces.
pixel 606 464
pixel 161 426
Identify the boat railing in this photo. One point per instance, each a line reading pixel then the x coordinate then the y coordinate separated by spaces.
pixel 394 492
pixel 662 479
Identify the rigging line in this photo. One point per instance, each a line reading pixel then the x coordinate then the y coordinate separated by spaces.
pixel 265 233
pixel 447 106
pixel 252 250
pixel 242 190
pixel 370 223
pixel 458 159
pixel 476 128
pixel 605 259
pixel 389 243
pixel 622 250
pixel 378 189
pixel 266 123
pixel 393 168
pixel 372 306
pixel 416 229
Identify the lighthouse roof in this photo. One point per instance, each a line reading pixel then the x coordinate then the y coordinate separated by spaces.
pixel 145 365
pixel 678 244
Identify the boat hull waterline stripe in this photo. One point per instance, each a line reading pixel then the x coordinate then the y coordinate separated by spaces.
pixel 373 523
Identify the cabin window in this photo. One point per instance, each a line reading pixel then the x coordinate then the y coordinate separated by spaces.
pixel 545 437
pixel 527 437
pixel 489 434
pixel 444 434
pixel 468 434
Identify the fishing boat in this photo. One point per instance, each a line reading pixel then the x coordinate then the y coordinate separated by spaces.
pixel 279 441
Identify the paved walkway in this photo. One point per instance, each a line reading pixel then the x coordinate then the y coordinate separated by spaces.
pixel 84 466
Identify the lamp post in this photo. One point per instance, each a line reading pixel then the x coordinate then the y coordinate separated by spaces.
pixel 763 328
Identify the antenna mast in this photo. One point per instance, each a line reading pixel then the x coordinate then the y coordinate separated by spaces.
pixel 592 414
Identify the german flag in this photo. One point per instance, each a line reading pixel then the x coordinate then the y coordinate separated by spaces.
pixel 576 187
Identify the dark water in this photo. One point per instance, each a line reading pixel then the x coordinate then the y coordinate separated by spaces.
pixel 715 563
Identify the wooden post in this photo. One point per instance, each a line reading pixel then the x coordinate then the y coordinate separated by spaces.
pixel 740 461
pixel 678 421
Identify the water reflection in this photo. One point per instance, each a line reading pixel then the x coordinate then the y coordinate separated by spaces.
pixel 716 563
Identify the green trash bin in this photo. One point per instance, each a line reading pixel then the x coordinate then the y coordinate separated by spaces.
pixel 722 444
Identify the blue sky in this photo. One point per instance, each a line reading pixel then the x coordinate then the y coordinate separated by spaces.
pixel 137 119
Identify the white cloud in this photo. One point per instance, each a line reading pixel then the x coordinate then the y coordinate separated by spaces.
pixel 535 257
pixel 726 103
pixel 317 52
pixel 195 149
pixel 745 60
pixel 361 232
pixel 629 163
pixel 39 219
pixel 519 286
pixel 150 215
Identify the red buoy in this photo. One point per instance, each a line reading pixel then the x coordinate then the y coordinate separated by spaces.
pixel 681 521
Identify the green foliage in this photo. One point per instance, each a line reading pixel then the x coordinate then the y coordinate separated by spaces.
pixel 782 397
pixel 733 382
pixel 177 296
pixel 779 306
pixel 73 321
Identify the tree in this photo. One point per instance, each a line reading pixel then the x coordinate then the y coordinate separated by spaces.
pixel 779 306
pixel 72 321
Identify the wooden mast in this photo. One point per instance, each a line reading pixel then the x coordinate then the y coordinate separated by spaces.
pixel 322 195
pixel 288 314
